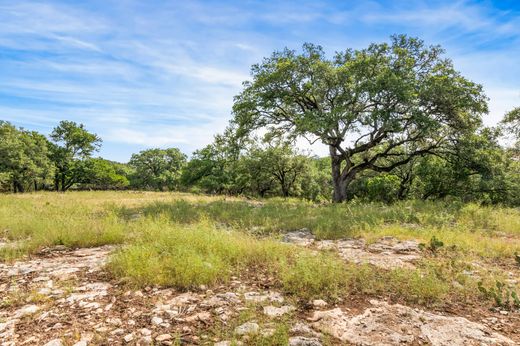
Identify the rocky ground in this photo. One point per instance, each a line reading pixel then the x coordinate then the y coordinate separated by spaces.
pixel 65 297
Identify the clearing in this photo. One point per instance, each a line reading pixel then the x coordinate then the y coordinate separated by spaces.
pixel 108 268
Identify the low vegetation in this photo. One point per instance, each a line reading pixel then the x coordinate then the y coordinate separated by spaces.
pixel 185 241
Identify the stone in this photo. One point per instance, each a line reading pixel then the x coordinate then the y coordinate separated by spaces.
pixel 385 324
pixel 273 311
pixel 54 342
pixel 301 328
pixel 203 316
pixel 146 332
pixel 81 343
pixel 157 320
pixel 129 337
pixel 223 343
pixel 303 341
pixel 145 340
pixel 118 331
pixel 247 328
pixel 163 337
pixel 26 310
pixel 319 303
pixel 256 297
pixel 302 237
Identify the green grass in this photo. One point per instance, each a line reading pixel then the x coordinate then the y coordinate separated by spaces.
pixel 185 241
pixel 474 229
pixel 185 257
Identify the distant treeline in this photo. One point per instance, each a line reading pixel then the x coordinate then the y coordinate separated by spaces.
pixel 399 122
pixel 480 170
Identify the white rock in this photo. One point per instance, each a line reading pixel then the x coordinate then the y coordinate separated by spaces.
pixel 223 343
pixel 303 341
pixel 319 303
pixel 157 320
pixel 386 324
pixel 273 311
pixel 129 337
pixel 247 328
pixel 146 332
pixel 163 337
pixel 81 343
pixel 301 328
pixel 145 340
pixel 26 310
pixel 54 342
pixel 118 331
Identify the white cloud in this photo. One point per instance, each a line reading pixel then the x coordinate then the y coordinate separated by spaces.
pixel 149 75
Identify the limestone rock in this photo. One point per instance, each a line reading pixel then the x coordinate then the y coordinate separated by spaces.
pixel 386 324
pixel 273 311
pixel 163 337
pixel 54 342
pixel 301 237
pixel 303 341
pixel 319 303
pixel 247 328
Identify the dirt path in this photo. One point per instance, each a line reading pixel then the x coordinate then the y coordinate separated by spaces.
pixel 65 297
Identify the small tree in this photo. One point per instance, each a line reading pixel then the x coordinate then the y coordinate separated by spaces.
pixel 389 101
pixel 280 164
pixel 157 168
pixel 72 144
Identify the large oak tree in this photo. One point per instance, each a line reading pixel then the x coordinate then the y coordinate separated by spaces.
pixel 375 108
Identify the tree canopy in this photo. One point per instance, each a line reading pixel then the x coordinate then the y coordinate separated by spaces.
pixel 157 168
pixel 375 108
pixel 72 144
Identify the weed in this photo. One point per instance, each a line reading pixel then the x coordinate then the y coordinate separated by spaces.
pixel 505 297
pixel 433 246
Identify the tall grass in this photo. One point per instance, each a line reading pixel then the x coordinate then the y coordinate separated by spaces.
pixel 185 257
pixel 485 231
pixel 185 241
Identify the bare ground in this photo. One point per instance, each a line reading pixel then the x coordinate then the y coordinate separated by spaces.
pixel 65 297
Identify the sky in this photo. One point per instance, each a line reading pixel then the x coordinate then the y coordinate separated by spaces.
pixel 145 74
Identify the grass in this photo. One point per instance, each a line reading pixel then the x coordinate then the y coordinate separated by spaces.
pixel 188 256
pixel 185 241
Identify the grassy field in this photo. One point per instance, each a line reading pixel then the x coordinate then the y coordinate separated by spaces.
pixel 185 241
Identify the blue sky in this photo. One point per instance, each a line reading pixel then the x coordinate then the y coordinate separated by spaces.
pixel 163 73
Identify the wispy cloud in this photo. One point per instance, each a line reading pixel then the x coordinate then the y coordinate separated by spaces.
pixel 157 73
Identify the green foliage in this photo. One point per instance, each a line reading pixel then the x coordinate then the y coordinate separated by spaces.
pixel 383 188
pixel 414 286
pixel 24 161
pixel 313 276
pixel 72 144
pixel 157 169
pixel 392 101
pixel 505 297
pixel 433 246
pixel 206 240
pixel 511 122
pixel 186 257
pixel 101 174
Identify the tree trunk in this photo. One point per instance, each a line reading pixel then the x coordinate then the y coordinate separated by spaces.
pixel 339 184
pixel 18 187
